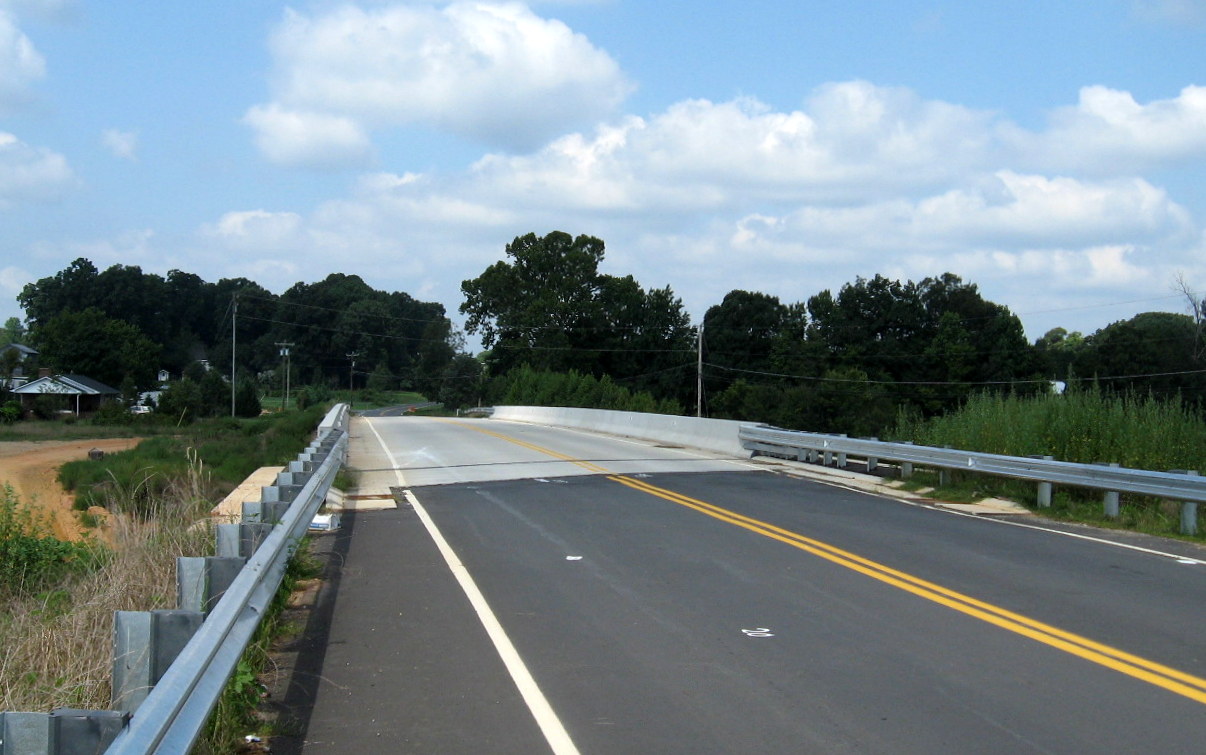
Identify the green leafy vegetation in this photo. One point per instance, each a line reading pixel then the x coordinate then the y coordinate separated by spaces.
pixel 31 560
pixel 226 450
pixel 526 386
pixel 234 716
pixel 1088 426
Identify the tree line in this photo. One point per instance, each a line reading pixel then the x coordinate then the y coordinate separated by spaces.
pixel 122 326
pixel 852 361
pixel 855 361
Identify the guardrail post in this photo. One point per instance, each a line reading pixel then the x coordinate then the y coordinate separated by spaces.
pixel 1189 509
pixel 76 732
pixel 872 461
pixel 201 581
pixel 841 457
pixel 1110 499
pixel 944 475
pixel 906 467
pixel 144 644
pixel 240 540
pixel 1044 488
pixel 22 733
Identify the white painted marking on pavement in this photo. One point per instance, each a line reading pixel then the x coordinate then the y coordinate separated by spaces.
pixel 550 725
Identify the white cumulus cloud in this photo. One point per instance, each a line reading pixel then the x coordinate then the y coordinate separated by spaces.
pixel 31 174
pixel 256 229
pixel 853 140
pixel 20 64
pixel 123 144
pixel 309 139
pixel 494 73
pixel 1108 132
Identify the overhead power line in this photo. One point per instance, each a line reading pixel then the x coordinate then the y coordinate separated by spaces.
pixel 951 382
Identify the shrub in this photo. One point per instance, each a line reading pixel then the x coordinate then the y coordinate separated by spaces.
pixel 32 561
pixel 10 412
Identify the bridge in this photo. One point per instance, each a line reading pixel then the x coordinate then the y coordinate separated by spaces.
pixel 543 589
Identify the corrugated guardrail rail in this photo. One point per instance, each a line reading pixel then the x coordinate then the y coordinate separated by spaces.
pixel 167 682
pixel 1176 486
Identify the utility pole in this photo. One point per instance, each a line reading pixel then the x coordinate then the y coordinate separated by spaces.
pixel 234 316
pixel 699 371
pixel 284 347
pixel 352 369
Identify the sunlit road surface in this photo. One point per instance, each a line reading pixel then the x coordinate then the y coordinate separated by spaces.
pixel 543 590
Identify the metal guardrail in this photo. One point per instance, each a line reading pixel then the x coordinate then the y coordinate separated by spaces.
pixel 1177 486
pixel 170 666
pixel 173 715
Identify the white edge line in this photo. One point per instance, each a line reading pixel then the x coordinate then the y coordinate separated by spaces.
pixel 546 718
pixel 921 504
pixel 998 520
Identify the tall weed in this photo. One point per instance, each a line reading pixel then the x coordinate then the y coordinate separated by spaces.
pixel 1140 432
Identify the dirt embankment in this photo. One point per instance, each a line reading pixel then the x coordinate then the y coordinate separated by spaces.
pixel 31 468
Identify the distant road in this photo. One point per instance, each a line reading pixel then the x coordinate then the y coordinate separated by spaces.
pixel 649 600
pixel 400 410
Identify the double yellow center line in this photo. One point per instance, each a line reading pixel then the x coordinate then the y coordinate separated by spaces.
pixel 1171 679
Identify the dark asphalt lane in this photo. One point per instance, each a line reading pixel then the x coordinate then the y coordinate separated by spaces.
pixel 652 627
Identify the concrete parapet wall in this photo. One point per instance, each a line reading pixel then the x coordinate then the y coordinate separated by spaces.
pixel 717 435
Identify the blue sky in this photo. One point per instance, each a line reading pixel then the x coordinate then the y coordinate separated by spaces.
pixel 1053 153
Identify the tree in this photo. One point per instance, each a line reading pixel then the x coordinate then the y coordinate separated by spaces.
pixel 247 399
pixel 461 383
pixel 538 307
pixel 14 332
pixel 741 334
pixel 100 347
pixel 436 353
pixel 1151 352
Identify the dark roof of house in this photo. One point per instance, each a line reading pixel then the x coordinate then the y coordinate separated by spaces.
pixel 22 348
pixel 68 384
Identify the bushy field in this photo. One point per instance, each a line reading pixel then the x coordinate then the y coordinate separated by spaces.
pixel 1140 432
pixel 57 599
pixel 56 631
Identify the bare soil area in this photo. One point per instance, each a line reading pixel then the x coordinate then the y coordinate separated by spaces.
pixel 31 468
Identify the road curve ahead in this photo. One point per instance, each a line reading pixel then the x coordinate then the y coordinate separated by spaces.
pixel 544 590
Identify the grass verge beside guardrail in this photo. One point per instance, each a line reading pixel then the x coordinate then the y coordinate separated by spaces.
pixel 1138 432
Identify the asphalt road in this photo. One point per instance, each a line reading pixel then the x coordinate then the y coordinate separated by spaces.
pixel 654 601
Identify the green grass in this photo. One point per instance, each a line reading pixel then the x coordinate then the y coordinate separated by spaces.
pixel 225 451
pixel 234 716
